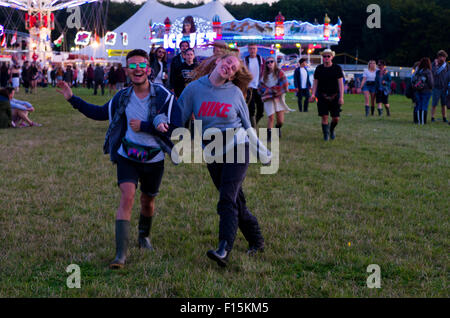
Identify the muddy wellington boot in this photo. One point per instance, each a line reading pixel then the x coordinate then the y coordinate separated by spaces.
pixel 122 237
pixel 144 227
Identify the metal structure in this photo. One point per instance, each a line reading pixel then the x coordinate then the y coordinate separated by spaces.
pixel 40 21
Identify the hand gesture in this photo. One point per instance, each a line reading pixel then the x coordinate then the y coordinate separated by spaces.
pixel 135 124
pixel 312 99
pixel 341 101
pixel 65 90
pixel 163 127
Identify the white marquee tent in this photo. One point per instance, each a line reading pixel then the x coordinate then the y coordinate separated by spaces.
pixel 137 27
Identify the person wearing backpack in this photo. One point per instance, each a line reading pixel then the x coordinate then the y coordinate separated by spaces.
pixel 422 82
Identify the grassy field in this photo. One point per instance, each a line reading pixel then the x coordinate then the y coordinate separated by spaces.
pixel 378 194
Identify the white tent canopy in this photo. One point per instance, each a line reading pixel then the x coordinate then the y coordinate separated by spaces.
pixel 137 27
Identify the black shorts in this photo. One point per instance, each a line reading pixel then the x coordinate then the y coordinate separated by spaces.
pixel 149 174
pixel 382 98
pixel 325 107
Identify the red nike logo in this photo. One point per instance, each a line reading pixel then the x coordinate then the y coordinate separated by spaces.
pixel 214 109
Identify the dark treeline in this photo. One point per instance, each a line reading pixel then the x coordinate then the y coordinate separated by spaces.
pixel 409 29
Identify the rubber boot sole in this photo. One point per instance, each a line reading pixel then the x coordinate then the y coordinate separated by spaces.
pixel 213 256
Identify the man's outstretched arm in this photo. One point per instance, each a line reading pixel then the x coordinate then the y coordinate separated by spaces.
pixel 89 110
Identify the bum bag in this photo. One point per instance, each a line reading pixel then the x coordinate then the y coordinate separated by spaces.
pixel 138 152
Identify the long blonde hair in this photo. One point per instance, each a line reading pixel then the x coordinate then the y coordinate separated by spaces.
pixel 241 79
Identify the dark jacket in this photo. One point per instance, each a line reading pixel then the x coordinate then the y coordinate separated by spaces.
pixel 428 79
pixel 261 62
pixel 99 74
pixel 386 87
pixel 90 73
pixel 5 112
pixel 161 102
pixel 440 79
pixel 156 68
pixel 298 79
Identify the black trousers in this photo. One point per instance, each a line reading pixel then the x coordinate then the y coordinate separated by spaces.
pixel 232 208
pixel 102 84
pixel 303 93
pixel 255 104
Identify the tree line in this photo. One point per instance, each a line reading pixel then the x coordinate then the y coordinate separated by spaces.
pixel 410 29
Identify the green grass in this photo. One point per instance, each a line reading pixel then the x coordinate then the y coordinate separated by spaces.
pixel 382 185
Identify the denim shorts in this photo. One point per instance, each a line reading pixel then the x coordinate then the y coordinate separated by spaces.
pixel 369 87
pixel 438 94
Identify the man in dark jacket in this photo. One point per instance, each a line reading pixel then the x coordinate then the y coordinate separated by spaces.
pixel 90 76
pixel 255 64
pixel 175 69
pixel 134 145
pixel 302 84
pixel 99 79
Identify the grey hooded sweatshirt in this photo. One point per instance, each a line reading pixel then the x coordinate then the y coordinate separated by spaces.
pixel 222 108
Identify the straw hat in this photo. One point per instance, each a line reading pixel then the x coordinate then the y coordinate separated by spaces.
pixel 327 51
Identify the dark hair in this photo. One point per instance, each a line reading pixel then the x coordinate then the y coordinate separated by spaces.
pixel 189 19
pixel 137 52
pixel 266 72
pixel 425 63
pixel 165 53
pixel 190 49
pixel 301 60
pixel 189 45
pixel 6 91
pixel 382 62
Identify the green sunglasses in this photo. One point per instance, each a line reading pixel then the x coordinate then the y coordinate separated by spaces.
pixel 134 65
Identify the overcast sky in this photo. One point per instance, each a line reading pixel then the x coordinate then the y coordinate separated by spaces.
pixel 223 1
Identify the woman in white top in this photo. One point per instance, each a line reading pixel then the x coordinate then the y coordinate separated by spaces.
pixel 368 87
pixel 273 88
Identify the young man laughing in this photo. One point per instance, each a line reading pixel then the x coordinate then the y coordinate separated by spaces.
pixel 133 145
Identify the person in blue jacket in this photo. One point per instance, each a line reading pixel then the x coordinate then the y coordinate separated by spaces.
pixel 302 85
pixel 134 145
pixel 383 87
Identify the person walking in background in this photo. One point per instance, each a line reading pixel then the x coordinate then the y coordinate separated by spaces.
pixel 158 63
pixel 121 77
pixel 369 87
pixel 328 86
pixel 224 80
pixel 90 77
pixel 440 69
pixel 133 145
pixel 34 76
pixel 175 69
pixel 99 79
pixel 422 82
pixel 403 87
pixel 383 87
pixel 68 75
pixel 393 87
pixel 302 85
pixel 255 64
pixel 112 79
pixel 273 88
pixel 15 77
pixel 26 76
